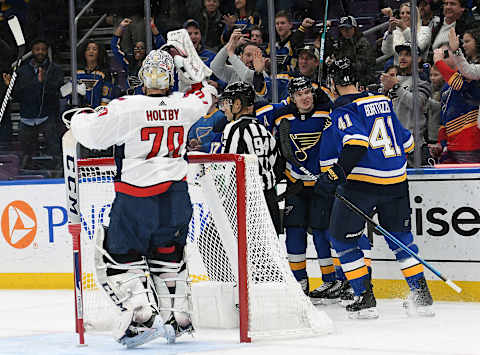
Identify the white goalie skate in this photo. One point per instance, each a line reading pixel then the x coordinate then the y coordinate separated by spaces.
pixel 139 335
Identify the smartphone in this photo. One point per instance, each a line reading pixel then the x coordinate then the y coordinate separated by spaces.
pixel 445 54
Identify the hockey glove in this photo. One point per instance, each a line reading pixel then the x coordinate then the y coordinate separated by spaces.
pixel 69 114
pixel 327 182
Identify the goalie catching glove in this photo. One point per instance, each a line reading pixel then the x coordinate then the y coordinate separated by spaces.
pixel 191 68
pixel 328 182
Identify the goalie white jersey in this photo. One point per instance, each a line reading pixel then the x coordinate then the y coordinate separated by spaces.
pixel 149 134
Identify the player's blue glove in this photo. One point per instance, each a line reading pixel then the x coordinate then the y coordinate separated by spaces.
pixel 327 182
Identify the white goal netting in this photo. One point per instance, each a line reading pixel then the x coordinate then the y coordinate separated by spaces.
pixel 274 301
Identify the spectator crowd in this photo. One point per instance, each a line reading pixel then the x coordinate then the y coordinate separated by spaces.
pixel 231 37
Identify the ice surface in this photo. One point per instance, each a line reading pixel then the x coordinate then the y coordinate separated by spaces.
pixel 41 322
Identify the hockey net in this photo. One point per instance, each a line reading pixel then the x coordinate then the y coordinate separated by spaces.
pixel 231 245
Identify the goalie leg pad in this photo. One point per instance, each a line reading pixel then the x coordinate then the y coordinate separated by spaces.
pixel 128 284
pixel 170 278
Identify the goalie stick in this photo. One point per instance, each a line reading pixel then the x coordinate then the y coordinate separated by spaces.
pixel 288 154
pixel 20 41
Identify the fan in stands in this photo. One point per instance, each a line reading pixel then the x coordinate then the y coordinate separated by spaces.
pixel 140 260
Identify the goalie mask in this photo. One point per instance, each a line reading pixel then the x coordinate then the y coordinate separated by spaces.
pixel 157 70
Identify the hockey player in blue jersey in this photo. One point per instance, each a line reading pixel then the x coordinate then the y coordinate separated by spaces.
pixel 206 134
pixel 300 126
pixel 363 158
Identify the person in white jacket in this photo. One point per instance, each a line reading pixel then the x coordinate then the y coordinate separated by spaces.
pixel 399 32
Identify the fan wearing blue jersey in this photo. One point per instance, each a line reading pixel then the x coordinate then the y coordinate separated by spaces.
pixel 363 157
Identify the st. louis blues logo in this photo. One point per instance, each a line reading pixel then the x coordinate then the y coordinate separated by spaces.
pixel 303 142
pixel 202 132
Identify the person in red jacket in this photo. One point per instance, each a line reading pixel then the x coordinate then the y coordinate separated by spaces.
pixel 459 135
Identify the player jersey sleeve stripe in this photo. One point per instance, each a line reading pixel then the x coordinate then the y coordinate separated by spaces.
pixel 326 164
pixel 264 109
pixel 355 139
pixel 321 114
pixel 409 145
pixel 288 117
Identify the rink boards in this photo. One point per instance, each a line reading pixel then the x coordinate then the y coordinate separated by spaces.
pixel 36 253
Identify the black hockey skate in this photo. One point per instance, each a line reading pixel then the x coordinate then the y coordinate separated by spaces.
pixel 327 293
pixel 346 294
pixel 363 306
pixel 419 302
pixel 305 286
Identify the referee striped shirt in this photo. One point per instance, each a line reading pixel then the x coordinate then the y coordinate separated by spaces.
pixel 247 136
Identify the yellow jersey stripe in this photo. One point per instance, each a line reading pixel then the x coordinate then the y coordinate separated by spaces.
pixel 288 117
pixel 292 179
pixel 377 180
pixel 410 148
pixel 356 142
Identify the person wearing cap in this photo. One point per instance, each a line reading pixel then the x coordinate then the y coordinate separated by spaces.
pixel 308 59
pixel 399 88
pixel 352 44
pixel 193 28
pixel 399 32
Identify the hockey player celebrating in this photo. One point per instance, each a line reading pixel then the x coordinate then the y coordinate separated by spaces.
pixel 363 156
pixel 300 125
pixel 140 261
pixel 245 135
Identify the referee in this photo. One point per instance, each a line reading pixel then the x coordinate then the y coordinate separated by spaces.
pixel 245 135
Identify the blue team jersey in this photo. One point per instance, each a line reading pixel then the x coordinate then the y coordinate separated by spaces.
pixel 368 121
pixel 305 133
pixel 99 88
pixel 208 130
pixel 266 114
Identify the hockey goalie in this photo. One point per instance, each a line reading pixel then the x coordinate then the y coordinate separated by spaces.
pixel 140 257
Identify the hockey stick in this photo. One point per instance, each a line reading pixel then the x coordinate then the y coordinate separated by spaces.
pixel 289 155
pixel 70 147
pixel 18 35
pixel 322 45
